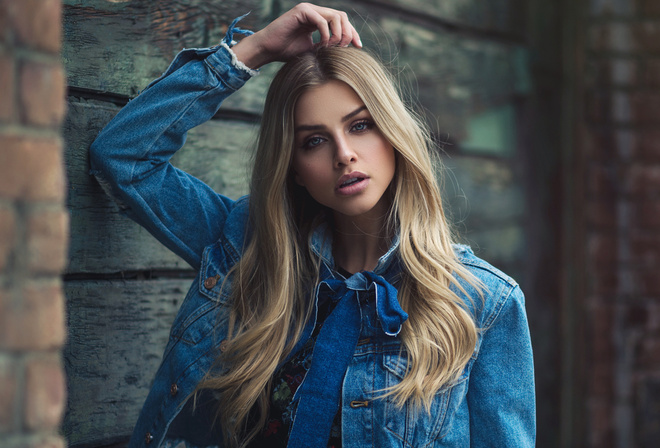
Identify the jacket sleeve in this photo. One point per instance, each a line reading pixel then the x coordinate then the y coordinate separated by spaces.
pixel 501 396
pixel 131 156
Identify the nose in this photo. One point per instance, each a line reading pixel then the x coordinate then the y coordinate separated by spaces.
pixel 344 154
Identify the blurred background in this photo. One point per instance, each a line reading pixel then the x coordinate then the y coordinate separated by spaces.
pixel 546 115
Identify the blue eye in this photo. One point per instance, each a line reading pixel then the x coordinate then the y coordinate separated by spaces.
pixel 362 126
pixel 312 142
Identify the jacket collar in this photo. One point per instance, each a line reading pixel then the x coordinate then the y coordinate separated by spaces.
pixel 321 244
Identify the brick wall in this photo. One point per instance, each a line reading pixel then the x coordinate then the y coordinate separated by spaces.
pixel 619 160
pixel 33 224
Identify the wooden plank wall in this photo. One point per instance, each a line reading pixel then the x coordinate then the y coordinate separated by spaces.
pixel 467 62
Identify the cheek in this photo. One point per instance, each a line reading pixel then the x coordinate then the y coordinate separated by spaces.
pixel 306 172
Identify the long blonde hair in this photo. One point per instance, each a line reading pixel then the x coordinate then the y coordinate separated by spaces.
pixel 272 283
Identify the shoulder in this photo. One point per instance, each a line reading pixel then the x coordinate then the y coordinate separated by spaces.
pixel 481 269
pixel 497 288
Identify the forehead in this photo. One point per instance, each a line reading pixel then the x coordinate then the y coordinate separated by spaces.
pixel 328 101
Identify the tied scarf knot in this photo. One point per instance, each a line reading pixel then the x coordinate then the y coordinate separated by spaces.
pixel 388 309
pixel 319 395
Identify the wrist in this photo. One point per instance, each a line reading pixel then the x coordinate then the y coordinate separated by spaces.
pixel 250 53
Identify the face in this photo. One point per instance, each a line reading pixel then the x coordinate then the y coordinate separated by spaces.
pixel 340 156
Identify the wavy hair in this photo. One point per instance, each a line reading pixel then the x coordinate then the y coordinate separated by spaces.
pixel 271 284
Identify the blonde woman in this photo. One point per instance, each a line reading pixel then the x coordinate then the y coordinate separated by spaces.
pixel 331 307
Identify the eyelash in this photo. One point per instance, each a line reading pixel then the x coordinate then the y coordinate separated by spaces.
pixel 366 122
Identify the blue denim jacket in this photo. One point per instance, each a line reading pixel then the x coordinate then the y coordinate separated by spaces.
pixel 491 404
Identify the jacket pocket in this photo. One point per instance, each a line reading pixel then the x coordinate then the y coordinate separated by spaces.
pixel 205 305
pixel 213 273
pixel 416 427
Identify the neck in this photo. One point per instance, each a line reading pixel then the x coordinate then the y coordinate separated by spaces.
pixel 360 242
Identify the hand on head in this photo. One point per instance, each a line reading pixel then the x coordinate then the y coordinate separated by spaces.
pixel 291 34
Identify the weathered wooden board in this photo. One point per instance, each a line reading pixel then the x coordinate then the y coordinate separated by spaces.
pixel 117 333
pixel 119 47
pixel 103 240
pixel 500 16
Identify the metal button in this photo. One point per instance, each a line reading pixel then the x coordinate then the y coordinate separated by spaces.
pixel 148 438
pixel 359 404
pixel 223 345
pixel 210 282
pixel 174 389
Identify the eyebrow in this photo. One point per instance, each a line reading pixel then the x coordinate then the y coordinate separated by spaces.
pixel 316 127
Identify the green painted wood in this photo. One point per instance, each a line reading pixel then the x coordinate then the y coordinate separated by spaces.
pixel 117 333
pixel 120 46
pixel 103 240
pixel 502 16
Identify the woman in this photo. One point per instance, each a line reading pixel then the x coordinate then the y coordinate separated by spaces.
pixel 330 308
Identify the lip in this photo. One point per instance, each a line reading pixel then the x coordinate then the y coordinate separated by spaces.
pixel 353 188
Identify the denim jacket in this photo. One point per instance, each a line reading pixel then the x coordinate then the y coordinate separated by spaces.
pixel 491 404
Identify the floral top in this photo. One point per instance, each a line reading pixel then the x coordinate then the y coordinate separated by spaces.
pixel 285 383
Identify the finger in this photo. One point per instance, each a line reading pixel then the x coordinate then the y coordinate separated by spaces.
pixel 313 17
pixel 348 31
pixel 344 33
pixel 336 29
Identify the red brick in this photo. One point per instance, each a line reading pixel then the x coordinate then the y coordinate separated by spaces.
pixel 600 426
pixel 637 316
pixel 45 393
pixel 651 74
pixel 602 213
pixel 8 391
pixel 651 7
pixel 647 35
pixel 645 107
pixel 642 180
pixel 598 106
pixel 602 248
pixel 646 281
pixel 604 280
pixel 42 88
pixel 647 354
pixel 607 106
pixel 603 180
pixel 601 334
pixel 645 247
pixel 653 316
pixel 611 36
pixel 7 87
pixel 7 235
pixel 5 23
pixel 47 236
pixel 608 72
pixel 645 214
pixel 31 168
pixel 601 145
pixel 637 37
pixel 36 23
pixel 648 145
pixel 33 321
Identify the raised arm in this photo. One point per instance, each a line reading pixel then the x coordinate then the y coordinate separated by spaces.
pixel 130 157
